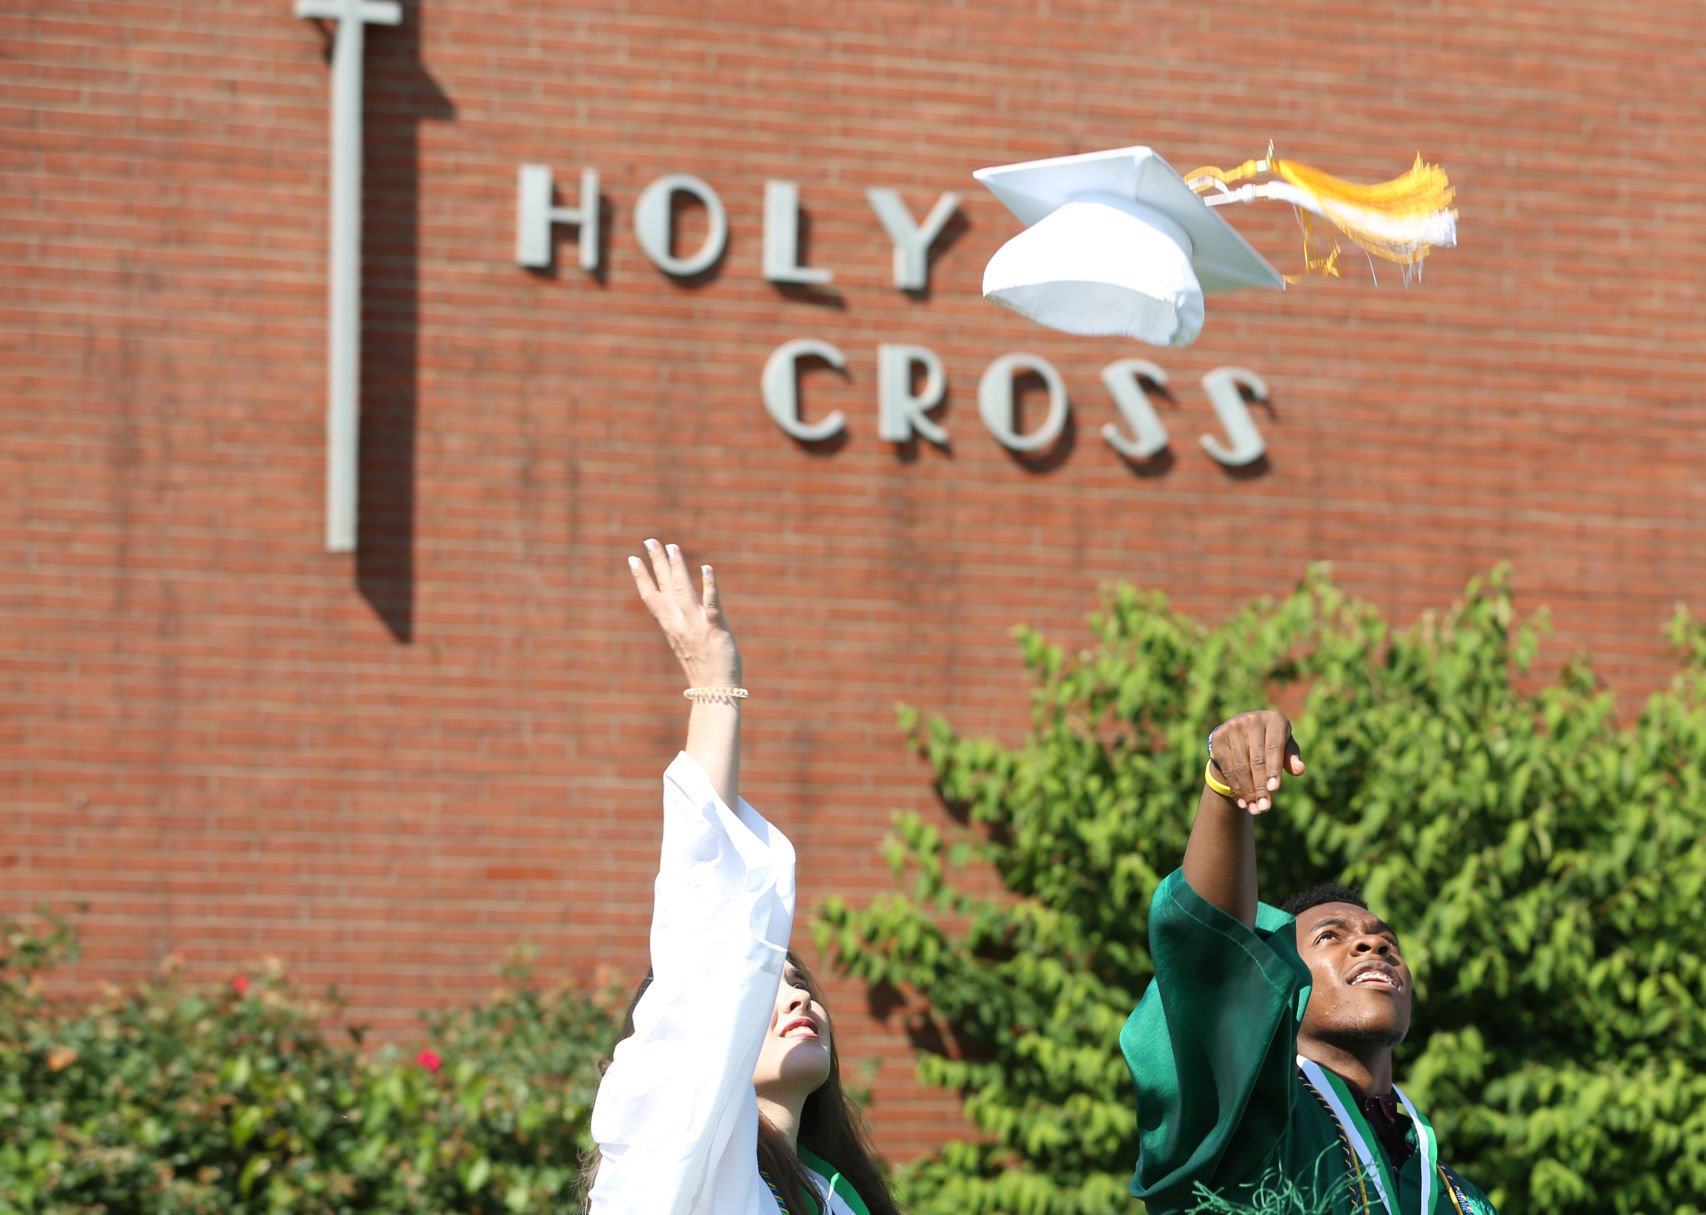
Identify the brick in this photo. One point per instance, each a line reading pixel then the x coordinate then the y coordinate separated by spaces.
pixel 215 734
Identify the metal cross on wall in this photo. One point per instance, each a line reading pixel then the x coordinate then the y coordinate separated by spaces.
pixel 343 405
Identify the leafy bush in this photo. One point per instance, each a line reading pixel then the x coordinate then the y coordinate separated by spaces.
pixel 1543 857
pixel 172 1098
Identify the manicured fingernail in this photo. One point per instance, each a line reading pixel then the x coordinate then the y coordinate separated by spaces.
pixel 1264 804
pixel 675 550
pixel 1243 805
pixel 1273 783
pixel 705 570
pixel 634 564
pixel 651 545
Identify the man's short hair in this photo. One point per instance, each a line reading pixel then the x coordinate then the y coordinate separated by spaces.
pixel 1331 892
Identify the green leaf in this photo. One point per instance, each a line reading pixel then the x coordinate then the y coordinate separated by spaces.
pixel 252 1172
pixel 245 1122
pixel 476 1173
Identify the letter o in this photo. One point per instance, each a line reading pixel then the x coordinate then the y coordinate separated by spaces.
pixel 995 402
pixel 654 224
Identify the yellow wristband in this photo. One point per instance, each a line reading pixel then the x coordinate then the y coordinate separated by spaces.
pixel 1213 782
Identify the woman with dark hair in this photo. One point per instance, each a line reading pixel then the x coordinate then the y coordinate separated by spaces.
pixel 724 1095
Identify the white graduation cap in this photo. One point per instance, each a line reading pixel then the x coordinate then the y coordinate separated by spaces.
pixel 1115 243
pixel 1118 242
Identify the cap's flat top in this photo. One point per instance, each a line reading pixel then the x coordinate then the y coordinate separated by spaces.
pixel 1221 258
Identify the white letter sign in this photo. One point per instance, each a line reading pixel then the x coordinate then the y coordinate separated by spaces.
pixel 1222 386
pixel 911 241
pixel 1125 380
pixel 654 224
pixel 534 216
pixel 995 402
pixel 782 237
pixel 899 411
pixel 780 386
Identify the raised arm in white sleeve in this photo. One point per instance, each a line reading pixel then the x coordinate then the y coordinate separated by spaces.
pixel 676 1118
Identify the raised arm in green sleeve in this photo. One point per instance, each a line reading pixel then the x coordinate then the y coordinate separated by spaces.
pixel 1212 1046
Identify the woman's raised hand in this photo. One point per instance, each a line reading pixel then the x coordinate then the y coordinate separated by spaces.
pixel 694 624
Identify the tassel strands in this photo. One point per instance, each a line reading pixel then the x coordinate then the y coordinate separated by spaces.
pixel 1399 221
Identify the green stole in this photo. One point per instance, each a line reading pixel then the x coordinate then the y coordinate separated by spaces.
pixel 838 1185
pixel 1355 1127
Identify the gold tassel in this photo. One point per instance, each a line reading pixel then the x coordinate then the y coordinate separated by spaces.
pixel 1401 221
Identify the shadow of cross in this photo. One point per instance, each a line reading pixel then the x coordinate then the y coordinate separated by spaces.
pixel 400 97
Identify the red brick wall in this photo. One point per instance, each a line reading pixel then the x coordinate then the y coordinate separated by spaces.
pixel 388 768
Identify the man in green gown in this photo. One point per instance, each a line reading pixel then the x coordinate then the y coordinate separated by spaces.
pixel 1262 1051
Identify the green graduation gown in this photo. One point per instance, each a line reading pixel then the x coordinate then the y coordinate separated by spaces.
pixel 1222 1107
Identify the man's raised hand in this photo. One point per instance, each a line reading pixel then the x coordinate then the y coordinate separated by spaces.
pixel 1253 753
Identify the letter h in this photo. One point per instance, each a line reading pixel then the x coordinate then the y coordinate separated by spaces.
pixel 535 214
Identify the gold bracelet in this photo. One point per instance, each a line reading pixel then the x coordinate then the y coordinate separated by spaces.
pixel 1213 782
pixel 698 694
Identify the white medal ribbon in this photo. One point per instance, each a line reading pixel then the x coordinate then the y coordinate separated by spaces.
pixel 1352 1124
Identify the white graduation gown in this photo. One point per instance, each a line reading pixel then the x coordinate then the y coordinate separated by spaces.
pixel 676 1119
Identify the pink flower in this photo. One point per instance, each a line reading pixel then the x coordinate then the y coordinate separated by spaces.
pixel 240 984
pixel 430 1060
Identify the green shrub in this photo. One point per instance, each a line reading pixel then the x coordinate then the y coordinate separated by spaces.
pixel 173 1098
pixel 1543 856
